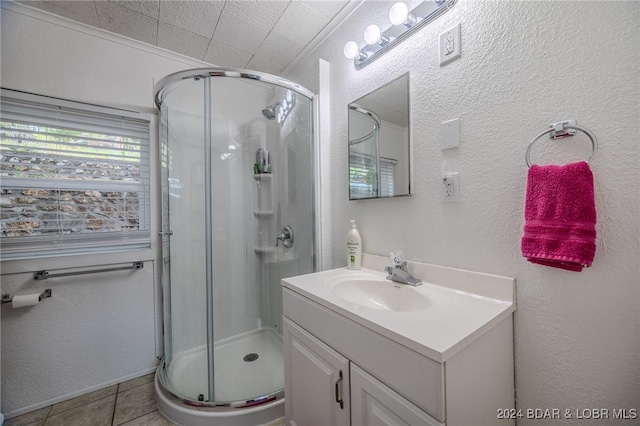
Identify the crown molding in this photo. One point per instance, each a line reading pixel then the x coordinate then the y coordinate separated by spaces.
pixel 338 20
pixel 42 15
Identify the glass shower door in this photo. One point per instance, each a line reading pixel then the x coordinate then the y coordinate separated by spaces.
pixel 184 278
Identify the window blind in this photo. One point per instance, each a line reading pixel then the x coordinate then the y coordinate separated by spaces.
pixel 387 177
pixel 75 178
pixel 363 177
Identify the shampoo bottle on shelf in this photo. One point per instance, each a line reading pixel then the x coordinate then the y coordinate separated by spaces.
pixel 354 247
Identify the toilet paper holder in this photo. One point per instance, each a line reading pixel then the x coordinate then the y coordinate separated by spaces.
pixel 7 298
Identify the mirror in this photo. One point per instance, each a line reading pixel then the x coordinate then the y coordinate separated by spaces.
pixel 379 164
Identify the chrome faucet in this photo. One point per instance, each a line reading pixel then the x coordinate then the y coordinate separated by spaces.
pixel 286 236
pixel 398 272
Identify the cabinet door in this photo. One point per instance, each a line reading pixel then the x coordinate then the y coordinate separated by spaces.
pixel 316 380
pixel 374 403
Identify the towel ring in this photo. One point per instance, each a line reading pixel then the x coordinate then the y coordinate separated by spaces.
pixel 561 128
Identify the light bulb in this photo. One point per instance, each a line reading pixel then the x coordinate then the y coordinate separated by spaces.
pixel 372 34
pixel 398 13
pixel 351 50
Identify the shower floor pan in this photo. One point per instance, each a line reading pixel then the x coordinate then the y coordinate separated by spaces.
pixel 247 366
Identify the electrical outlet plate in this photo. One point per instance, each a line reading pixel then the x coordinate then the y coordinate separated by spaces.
pixel 450 45
pixel 450 188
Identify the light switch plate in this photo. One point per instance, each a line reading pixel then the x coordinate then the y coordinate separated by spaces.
pixel 450 45
pixel 450 134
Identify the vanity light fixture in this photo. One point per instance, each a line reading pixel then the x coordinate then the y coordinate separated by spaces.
pixel 404 24
pixel 284 108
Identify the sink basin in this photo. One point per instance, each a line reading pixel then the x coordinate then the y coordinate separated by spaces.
pixel 381 294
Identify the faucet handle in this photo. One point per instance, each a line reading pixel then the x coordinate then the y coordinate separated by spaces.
pixel 398 260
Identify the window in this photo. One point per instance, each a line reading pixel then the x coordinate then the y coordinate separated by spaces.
pixel 363 179
pixel 74 177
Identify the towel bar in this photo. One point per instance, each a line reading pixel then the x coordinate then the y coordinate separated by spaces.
pixel 563 129
pixel 43 275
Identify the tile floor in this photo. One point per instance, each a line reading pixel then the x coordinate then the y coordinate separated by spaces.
pixel 131 403
pixel 128 403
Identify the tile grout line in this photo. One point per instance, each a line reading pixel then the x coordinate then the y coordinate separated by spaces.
pixel 47 416
pixel 115 404
pixel 136 418
pixel 113 413
pixel 51 407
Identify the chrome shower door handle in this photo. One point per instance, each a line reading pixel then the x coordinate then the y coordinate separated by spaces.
pixel 286 236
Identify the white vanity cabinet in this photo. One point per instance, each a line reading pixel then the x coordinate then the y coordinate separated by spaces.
pixel 316 380
pixel 323 387
pixel 374 403
pixel 342 367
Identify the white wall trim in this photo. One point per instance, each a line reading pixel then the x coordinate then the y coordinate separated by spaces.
pixel 323 160
pixel 50 18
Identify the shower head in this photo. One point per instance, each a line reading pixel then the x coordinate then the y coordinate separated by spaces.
pixel 270 111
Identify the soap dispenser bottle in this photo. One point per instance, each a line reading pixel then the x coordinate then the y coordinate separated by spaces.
pixel 354 247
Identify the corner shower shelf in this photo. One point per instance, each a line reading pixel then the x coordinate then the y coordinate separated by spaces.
pixel 270 255
pixel 276 259
pixel 262 176
pixel 263 212
pixel 265 250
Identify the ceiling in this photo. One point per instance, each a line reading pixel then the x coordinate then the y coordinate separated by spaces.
pixel 262 35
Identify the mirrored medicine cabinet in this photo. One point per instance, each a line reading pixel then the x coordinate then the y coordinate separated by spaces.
pixel 379 145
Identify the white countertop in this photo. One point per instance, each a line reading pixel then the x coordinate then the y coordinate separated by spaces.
pixel 465 305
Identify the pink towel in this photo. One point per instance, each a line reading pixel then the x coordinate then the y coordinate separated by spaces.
pixel 560 216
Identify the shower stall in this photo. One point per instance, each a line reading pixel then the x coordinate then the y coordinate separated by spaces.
pixel 237 165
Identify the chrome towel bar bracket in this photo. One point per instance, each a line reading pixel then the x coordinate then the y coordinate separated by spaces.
pixel 43 275
pixel 563 129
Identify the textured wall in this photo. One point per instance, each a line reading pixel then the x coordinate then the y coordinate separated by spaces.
pixel 96 330
pixel 523 66
pixel 81 64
